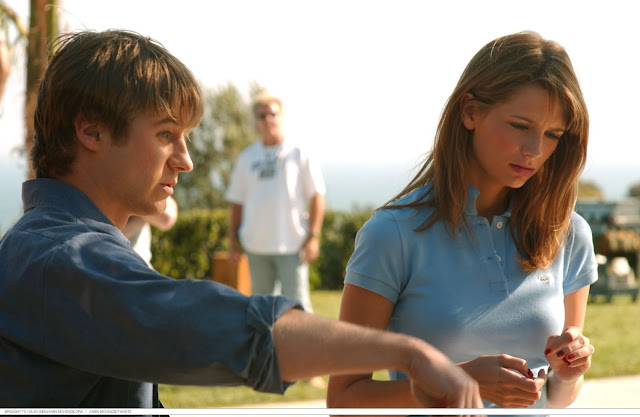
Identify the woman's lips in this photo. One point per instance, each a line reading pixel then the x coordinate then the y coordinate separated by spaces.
pixel 522 170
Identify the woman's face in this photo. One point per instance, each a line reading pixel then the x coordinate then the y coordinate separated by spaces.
pixel 512 140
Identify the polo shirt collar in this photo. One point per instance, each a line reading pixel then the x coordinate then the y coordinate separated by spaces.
pixel 470 206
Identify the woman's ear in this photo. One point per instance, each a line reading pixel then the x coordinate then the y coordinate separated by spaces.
pixel 469 111
pixel 87 132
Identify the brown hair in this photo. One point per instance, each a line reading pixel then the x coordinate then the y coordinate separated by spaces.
pixel 108 77
pixel 542 208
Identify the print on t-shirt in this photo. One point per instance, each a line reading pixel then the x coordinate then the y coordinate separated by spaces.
pixel 266 169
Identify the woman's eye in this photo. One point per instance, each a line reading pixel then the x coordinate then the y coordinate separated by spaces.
pixel 553 136
pixel 519 126
pixel 165 135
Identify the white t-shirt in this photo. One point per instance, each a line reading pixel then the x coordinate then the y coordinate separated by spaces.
pixel 274 184
pixel 141 243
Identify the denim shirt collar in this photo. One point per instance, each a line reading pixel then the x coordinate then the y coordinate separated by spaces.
pixel 50 192
pixel 470 208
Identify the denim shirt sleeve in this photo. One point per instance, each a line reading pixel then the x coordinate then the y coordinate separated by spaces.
pixel 94 305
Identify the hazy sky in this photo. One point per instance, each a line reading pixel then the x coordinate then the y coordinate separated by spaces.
pixel 365 81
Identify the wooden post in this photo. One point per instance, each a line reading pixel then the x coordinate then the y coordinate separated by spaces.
pixel 234 275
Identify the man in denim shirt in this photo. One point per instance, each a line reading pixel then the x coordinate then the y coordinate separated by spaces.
pixel 84 322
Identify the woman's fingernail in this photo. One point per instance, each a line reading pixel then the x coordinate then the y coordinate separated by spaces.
pixel 548 351
pixel 560 354
pixel 571 357
pixel 530 373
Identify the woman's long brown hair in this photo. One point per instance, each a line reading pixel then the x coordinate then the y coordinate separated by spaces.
pixel 542 208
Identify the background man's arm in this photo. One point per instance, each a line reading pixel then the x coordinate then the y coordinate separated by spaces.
pixel 311 246
pixel 235 250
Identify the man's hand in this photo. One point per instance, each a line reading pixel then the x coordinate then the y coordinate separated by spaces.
pixel 440 383
pixel 310 249
pixel 505 380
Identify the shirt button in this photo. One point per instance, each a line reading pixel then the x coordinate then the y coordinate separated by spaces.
pixel 499 258
pixel 499 225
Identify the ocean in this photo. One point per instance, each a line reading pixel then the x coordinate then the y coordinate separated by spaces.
pixel 349 186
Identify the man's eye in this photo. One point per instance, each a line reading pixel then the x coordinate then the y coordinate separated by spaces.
pixel 165 134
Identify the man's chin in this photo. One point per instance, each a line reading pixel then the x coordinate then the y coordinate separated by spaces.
pixel 161 206
pixel 152 209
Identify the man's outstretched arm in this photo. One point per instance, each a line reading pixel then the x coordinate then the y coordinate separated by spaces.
pixel 309 345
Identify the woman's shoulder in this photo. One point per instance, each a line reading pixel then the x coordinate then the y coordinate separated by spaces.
pixel 579 238
pixel 405 212
pixel 410 200
pixel 580 228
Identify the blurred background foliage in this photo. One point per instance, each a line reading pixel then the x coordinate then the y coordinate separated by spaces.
pixel 186 250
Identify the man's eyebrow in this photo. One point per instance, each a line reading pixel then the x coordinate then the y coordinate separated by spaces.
pixel 166 120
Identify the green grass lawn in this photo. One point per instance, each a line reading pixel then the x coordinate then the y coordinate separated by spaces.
pixel 614 330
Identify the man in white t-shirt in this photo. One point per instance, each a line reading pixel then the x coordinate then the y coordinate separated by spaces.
pixel 277 207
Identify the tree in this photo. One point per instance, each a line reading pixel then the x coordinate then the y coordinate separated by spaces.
pixel 9 19
pixel 43 27
pixel 634 190
pixel 589 189
pixel 227 128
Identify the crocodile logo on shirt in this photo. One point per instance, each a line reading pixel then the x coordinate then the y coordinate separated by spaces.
pixel 544 278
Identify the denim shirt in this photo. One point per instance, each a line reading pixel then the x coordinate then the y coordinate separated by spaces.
pixel 84 322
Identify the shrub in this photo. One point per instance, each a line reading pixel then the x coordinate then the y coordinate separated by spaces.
pixel 186 250
pixel 336 246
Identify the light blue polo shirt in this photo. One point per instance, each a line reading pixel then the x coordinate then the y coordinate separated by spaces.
pixel 468 296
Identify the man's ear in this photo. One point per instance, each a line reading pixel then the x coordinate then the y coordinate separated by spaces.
pixel 87 132
pixel 469 111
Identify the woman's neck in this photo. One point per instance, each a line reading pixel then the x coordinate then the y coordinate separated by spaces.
pixel 492 202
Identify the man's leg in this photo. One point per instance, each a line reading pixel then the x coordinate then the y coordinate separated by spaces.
pixel 263 274
pixel 294 276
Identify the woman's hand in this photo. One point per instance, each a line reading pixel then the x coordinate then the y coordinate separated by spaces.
pixel 569 354
pixel 505 380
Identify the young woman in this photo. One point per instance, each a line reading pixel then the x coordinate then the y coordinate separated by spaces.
pixel 481 254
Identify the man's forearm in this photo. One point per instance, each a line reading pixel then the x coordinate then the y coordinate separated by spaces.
pixel 309 345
